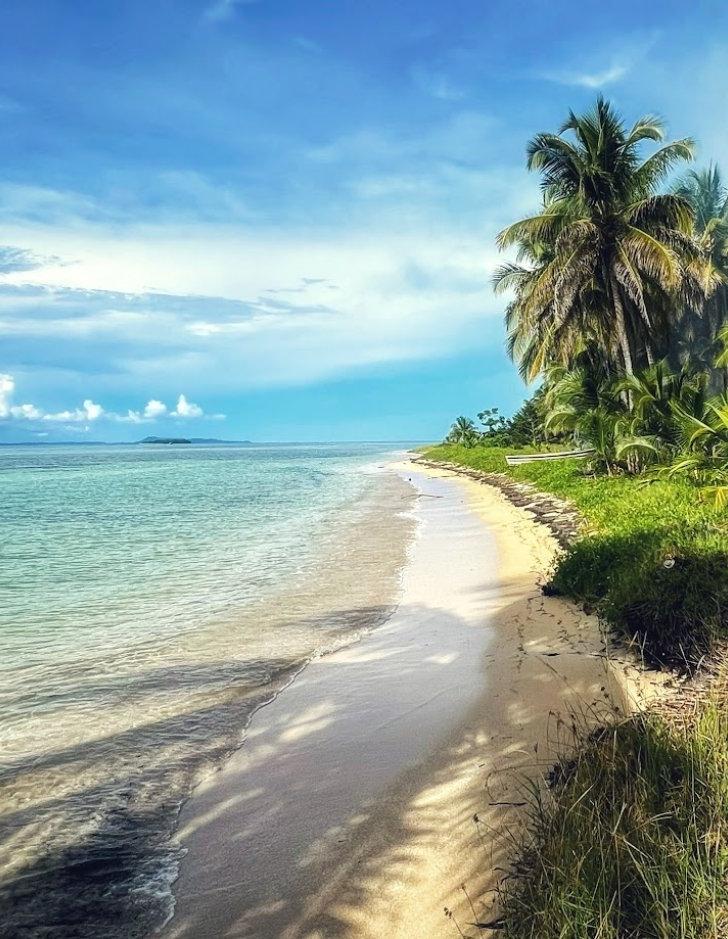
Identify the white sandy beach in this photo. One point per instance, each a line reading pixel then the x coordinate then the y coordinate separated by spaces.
pixel 351 809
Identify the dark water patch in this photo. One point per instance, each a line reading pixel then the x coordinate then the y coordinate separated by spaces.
pixel 113 883
pixel 107 859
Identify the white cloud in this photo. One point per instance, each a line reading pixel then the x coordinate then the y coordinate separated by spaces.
pixel 592 79
pixel 7 387
pixel 10 410
pixel 44 202
pixel 90 411
pixel 186 408
pixel 233 309
pixel 131 417
pixel 26 412
pixel 227 307
pixel 617 65
pixel 155 409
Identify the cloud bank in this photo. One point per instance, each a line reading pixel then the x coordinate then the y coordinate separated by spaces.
pixel 91 412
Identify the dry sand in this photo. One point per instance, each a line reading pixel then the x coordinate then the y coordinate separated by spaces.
pixel 382 787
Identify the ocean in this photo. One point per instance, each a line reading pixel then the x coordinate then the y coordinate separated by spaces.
pixel 151 599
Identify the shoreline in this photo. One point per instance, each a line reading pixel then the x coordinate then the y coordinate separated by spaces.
pixel 388 774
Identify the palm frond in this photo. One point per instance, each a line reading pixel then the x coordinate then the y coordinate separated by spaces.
pixel 649 127
pixel 510 276
pixel 658 165
pixel 653 257
pixel 541 227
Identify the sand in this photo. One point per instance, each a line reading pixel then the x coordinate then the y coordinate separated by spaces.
pixel 385 785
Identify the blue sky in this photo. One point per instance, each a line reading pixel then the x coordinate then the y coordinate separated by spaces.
pixel 275 220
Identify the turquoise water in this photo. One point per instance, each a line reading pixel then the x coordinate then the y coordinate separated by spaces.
pixel 151 599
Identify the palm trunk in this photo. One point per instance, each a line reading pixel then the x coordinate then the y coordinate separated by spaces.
pixel 620 322
pixel 723 319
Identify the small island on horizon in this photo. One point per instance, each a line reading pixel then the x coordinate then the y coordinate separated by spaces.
pixel 189 440
pixel 165 440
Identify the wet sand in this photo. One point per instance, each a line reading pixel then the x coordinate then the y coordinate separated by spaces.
pixel 382 786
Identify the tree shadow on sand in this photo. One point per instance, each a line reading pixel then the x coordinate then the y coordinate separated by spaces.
pixel 257 870
pixel 88 828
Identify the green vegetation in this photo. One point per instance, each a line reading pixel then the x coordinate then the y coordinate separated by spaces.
pixel 653 559
pixel 628 842
pixel 618 305
pixel 607 254
pixel 167 440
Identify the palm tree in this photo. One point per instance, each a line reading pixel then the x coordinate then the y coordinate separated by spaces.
pixel 463 431
pixel 570 392
pixel 707 194
pixel 580 401
pixel 699 329
pixel 705 456
pixel 604 245
pixel 656 394
pixel 626 430
pixel 534 337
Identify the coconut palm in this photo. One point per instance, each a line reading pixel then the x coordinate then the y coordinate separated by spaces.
pixel 581 402
pixel 629 430
pixel 655 395
pixel 698 329
pixel 463 431
pixel 535 339
pixel 705 459
pixel 570 392
pixel 705 191
pixel 604 244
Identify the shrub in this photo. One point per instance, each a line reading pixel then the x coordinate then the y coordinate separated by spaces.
pixel 628 842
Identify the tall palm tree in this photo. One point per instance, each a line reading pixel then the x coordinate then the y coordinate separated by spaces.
pixel 603 246
pixel 535 338
pixel 698 330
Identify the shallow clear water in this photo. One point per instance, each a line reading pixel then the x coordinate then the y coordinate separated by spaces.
pixel 151 598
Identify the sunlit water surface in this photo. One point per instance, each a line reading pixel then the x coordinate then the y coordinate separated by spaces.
pixel 151 598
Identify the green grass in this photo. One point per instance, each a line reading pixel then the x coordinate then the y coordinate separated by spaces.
pixel 676 613
pixel 629 843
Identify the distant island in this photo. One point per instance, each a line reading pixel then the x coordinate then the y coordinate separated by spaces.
pixel 190 440
pixel 165 440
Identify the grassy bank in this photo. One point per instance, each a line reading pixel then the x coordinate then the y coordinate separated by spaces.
pixel 653 560
pixel 628 841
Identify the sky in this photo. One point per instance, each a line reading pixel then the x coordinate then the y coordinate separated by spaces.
pixel 276 219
